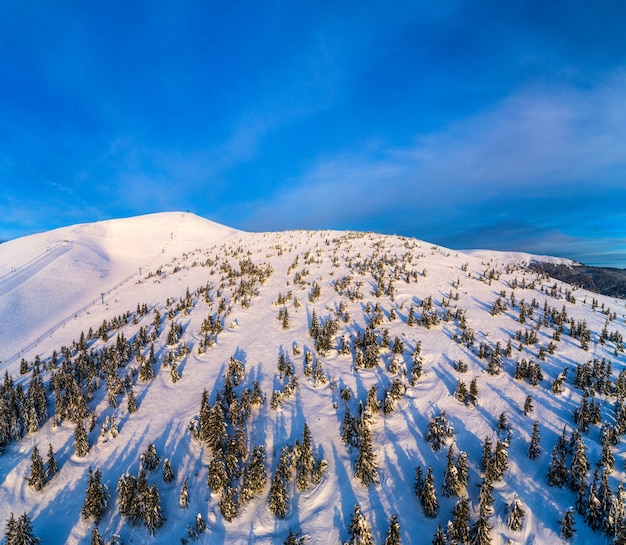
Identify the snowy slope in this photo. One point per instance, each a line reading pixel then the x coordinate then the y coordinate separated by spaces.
pixel 50 287
pixel 50 278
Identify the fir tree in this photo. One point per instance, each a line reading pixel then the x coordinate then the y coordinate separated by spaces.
pixel 365 466
pixel 481 532
pixel 153 515
pixel 294 538
pixel 183 500
pixel 305 461
pixel 460 521
pixel 429 495
pixel 81 444
pixel 472 397
pixel 168 472
pixel 451 485
pixel 216 431
pixel 96 538
pixel 485 498
pixel 146 372
pixel 440 537
pixel 52 467
pixel 557 471
pixel 229 503
pixel 485 460
pixel 393 534
pixel 132 403
pixel 149 459
pixel 515 519
pixel 360 531
pixel 528 405
pixel 419 481
pixel 567 525
pixel 254 477
pixel 533 449
pixel 174 374
pixel 36 479
pixel 96 497
pixel 278 497
pixel 462 469
pixel 126 487
pixel 20 531
pixel 218 476
pixel 579 467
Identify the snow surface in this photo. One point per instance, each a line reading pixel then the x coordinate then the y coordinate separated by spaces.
pixel 50 292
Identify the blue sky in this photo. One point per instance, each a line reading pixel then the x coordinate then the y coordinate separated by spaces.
pixel 482 124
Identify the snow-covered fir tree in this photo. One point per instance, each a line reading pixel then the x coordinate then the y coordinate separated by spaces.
pixel 365 469
pixel 81 443
pixel 516 514
pixel 568 524
pixel 52 467
pixel 278 496
pixel 393 533
pixel 359 529
pixel 428 496
pixel 183 499
pixel 96 497
pixel 96 538
pixel 20 531
pixel 533 449
pixel 153 514
pixel 168 471
pixel 150 459
pixel 294 538
pixel 36 479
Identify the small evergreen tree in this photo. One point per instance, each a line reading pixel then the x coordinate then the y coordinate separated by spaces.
pixel 393 534
pixel 36 479
pixel 360 530
pixel 278 497
pixel 451 485
pixel 52 467
pixel 174 374
pixel 429 495
pixel 294 538
pixel 229 503
pixel 557 471
pixel 153 515
pixel 183 501
pixel 254 477
pixel 81 443
pixel 481 532
pixel 168 471
pixel 516 516
pixel 528 405
pixel 96 497
pixel 440 537
pixel 567 525
pixel 20 531
pixel 533 449
pixel 365 467
pixel 132 403
pixel 96 538
pixel 150 459
pixel 460 529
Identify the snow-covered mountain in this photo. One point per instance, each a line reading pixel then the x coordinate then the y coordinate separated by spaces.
pixel 377 358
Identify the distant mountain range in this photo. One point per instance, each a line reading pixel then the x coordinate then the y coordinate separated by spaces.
pixel 604 280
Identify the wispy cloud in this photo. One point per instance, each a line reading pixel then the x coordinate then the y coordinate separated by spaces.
pixel 541 150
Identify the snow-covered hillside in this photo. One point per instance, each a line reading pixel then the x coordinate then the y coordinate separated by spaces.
pixel 323 323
